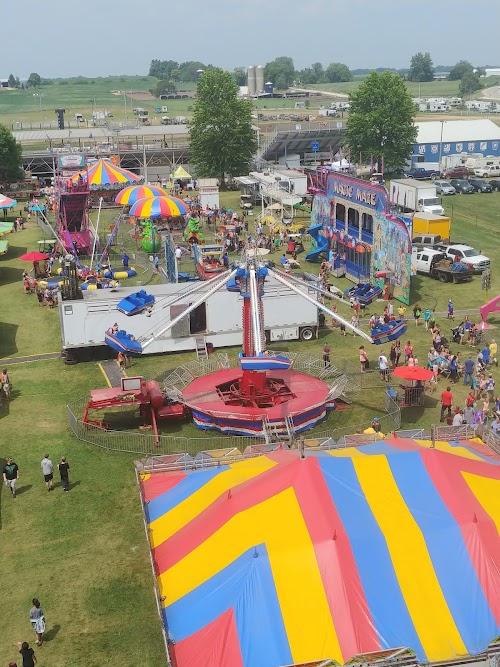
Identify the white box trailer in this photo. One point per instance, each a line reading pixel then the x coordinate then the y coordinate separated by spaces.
pixel 408 194
pixel 287 316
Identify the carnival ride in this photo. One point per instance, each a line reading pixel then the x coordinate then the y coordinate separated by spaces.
pixel 208 260
pixel 321 244
pixel 364 293
pixel 264 390
pixel 135 392
pixel 135 303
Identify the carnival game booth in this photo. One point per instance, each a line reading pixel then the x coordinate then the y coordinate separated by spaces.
pixel 352 227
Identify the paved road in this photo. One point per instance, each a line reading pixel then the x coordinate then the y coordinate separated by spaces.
pixel 327 93
pixel 100 132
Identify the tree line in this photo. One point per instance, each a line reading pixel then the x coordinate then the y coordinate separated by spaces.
pixel 422 69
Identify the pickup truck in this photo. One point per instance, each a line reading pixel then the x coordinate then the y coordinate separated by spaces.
pixel 437 265
pixel 466 254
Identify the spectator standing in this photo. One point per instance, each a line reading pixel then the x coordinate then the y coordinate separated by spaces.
pixel 64 473
pixel 37 620
pixel 125 260
pixel 48 472
pixel 408 351
pixel 468 370
pixel 451 310
pixel 493 352
pixel 363 359
pixel 458 418
pixel 156 263
pixel 11 475
pixel 490 387
pixel 326 355
pixel 495 426
pixel 397 350
pixel 446 403
pixel 383 366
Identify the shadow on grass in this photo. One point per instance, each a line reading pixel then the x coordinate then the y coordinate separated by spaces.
pixel 23 489
pixel 52 633
pixel 9 275
pixel 8 340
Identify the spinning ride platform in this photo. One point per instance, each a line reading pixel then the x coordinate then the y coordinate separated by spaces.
pixel 241 402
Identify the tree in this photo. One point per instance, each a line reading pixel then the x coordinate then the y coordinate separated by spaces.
pixel 164 88
pixel 13 82
pixel 281 71
pixel 470 83
pixel 163 69
pixel 10 156
pixel 421 68
pixel 457 71
pixel 380 121
pixel 222 139
pixel 34 80
pixel 337 72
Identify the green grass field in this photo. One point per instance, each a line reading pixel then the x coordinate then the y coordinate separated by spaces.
pixel 84 553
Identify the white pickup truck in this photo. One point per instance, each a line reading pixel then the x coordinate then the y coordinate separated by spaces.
pixel 466 254
pixel 438 265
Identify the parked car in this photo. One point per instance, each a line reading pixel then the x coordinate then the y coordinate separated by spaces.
pixel 495 185
pixel 444 188
pixel 462 186
pixel 428 240
pixel 420 173
pixel 456 172
pixel 479 185
pixel 468 255
pixel 488 170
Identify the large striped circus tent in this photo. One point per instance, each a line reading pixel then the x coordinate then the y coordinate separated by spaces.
pixel 280 560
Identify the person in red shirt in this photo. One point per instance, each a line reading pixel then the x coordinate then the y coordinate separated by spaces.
pixel 446 402
pixel 470 400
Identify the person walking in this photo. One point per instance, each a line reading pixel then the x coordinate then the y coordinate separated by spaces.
pixel 326 355
pixel 11 475
pixel 427 317
pixel 27 654
pixel 37 620
pixel 446 403
pixel 363 359
pixel 48 472
pixel 125 260
pixel 417 312
pixel 64 473
pixel 397 350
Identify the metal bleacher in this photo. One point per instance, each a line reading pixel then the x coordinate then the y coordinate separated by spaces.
pixel 299 139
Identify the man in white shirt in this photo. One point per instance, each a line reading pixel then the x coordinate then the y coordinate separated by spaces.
pixel 47 471
pixel 458 419
pixel 178 252
pixel 383 366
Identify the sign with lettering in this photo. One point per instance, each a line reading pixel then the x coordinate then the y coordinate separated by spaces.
pixel 362 193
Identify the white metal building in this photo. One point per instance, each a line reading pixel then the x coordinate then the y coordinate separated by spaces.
pixel 438 139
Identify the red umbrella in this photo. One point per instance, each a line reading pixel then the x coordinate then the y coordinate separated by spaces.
pixel 412 373
pixel 34 256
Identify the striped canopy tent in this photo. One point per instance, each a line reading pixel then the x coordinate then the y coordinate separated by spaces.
pixel 159 207
pixel 279 560
pixel 104 175
pixel 128 196
pixel 7 202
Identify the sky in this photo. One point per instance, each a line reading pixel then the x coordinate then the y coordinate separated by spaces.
pixel 104 37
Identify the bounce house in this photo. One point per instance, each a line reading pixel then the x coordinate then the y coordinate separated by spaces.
pixel 193 232
pixel 150 238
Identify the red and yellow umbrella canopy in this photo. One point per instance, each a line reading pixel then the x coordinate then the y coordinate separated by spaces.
pixel 128 196
pixel 104 174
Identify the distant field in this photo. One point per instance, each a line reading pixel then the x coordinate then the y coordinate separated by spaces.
pixel 82 96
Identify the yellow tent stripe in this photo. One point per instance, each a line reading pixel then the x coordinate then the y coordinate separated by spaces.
pixel 412 564
pixel 304 606
pixel 487 492
pixel 443 446
pixel 171 522
pixel 348 452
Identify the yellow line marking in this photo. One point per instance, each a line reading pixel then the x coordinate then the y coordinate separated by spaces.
pixel 108 382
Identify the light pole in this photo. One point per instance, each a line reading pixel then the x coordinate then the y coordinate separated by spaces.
pixel 441 145
pixel 39 95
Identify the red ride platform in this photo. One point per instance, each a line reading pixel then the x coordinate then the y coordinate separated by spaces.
pixel 224 401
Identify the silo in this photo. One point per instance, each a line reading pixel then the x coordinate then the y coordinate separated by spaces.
pixel 259 79
pixel 251 80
